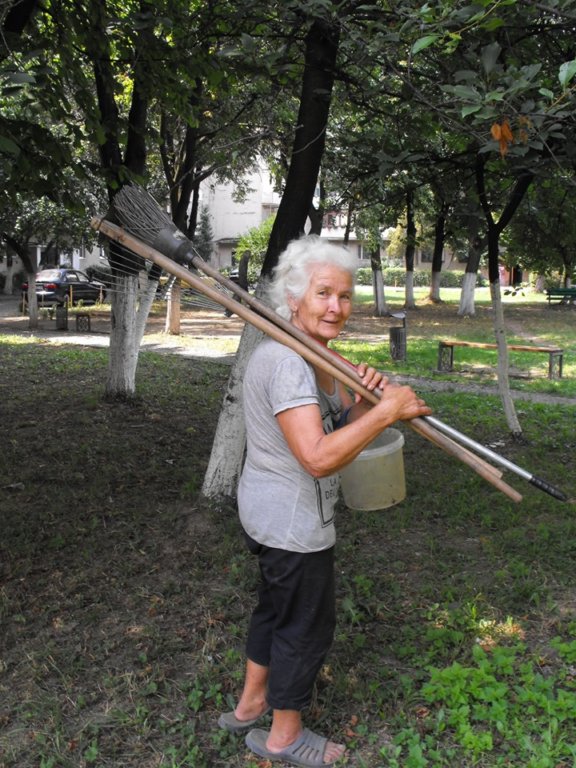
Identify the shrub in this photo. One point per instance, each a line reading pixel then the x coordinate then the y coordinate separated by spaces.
pixel 396 276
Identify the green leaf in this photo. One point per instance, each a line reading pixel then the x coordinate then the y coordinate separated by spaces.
pixel 424 42
pixel 466 93
pixel 489 56
pixel 532 70
pixel 470 109
pixel 567 72
pixel 466 75
pixel 546 92
pixel 492 24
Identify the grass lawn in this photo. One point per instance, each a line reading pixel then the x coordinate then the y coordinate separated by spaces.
pixel 529 321
pixel 124 596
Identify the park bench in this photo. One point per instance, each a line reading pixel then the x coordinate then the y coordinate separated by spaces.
pixel 446 354
pixel 563 295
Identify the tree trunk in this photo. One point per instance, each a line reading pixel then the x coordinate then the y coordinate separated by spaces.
pixel 128 322
pixel 494 230
pixel 226 458
pixel 439 238
pixel 503 362
pixel 173 309
pixel 309 139
pixel 316 215
pixel 317 82
pixel 32 302
pixel 124 342
pixel 348 227
pixel 243 270
pixel 434 294
pixel 146 298
pixel 380 306
pixel 467 307
pixel 409 302
pixel 29 260
pixel 503 372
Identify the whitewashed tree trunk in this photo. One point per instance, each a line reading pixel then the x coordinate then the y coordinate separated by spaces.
pixel 124 341
pixel 467 306
pixel 409 291
pixel 380 306
pixel 130 309
pixel 146 298
pixel 32 303
pixel 503 361
pixel 172 325
pixel 225 464
pixel 434 294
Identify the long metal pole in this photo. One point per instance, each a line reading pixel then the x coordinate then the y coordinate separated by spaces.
pixel 488 453
pixel 143 218
pixel 345 365
pixel 349 378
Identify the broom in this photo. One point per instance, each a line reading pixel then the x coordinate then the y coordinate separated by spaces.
pixel 141 215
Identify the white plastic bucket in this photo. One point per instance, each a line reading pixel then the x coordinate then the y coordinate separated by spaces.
pixel 375 479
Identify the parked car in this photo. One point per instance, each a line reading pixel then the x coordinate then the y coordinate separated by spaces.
pixel 65 286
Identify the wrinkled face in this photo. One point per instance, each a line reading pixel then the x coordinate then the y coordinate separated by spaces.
pixel 326 306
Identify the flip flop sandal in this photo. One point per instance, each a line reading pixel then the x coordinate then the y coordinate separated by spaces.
pixel 230 722
pixel 307 751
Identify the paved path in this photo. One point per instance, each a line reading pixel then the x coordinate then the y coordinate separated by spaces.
pixel 198 342
pixel 203 344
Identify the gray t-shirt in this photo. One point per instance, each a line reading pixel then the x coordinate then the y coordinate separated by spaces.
pixel 280 504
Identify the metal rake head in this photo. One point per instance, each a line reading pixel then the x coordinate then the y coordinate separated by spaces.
pixel 140 214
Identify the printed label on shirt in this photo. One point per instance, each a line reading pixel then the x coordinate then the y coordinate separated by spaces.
pixel 327 487
pixel 327 495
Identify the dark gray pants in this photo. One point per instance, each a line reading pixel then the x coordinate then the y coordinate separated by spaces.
pixel 292 627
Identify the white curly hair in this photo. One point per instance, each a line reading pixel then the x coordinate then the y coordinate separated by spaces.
pixel 291 276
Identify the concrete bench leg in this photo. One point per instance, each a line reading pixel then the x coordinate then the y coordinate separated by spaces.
pixel 445 357
pixel 555 365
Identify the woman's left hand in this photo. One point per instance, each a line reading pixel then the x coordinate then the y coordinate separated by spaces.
pixel 371 378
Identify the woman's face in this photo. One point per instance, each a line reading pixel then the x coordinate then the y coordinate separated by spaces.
pixel 326 306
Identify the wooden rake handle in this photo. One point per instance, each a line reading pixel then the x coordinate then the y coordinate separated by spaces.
pixel 279 329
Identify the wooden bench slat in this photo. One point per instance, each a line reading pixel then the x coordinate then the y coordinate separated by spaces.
pixel 487 345
pixel 446 354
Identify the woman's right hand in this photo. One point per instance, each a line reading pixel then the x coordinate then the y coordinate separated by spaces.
pixel 401 403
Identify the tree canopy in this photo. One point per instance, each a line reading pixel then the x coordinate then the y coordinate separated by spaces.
pixel 170 93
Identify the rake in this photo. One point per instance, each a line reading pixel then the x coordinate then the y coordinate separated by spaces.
pixel 148 231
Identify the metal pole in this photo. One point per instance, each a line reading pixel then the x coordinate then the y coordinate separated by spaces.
pixel 495 457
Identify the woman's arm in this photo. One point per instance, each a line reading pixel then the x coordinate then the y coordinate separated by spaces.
pixel 322 454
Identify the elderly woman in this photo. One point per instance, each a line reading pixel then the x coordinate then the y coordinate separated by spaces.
pixel 302 427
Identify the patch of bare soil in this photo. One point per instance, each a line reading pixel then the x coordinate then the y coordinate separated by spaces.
pixel 124 597
pixel 100 575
